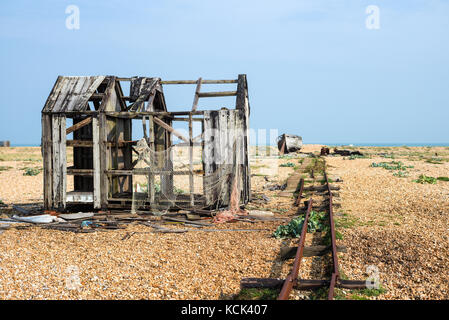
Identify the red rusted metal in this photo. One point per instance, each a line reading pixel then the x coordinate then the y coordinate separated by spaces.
pixel 292 278
pixel 332 286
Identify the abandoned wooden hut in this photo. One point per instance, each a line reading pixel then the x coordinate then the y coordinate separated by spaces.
pixel 106 159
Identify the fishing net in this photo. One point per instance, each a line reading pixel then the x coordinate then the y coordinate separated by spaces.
pixel 165 179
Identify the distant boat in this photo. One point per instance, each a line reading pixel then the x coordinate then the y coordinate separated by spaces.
pixel 289 143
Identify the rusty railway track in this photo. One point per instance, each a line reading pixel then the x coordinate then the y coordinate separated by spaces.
pixel 292 280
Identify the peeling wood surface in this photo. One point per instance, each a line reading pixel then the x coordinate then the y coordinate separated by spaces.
pixel 72 93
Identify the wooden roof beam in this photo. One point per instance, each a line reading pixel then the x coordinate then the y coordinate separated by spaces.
pixel 170 129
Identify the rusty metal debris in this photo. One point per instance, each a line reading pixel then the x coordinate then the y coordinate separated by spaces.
pixel 346 153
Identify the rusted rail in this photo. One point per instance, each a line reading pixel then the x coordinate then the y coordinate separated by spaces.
pixel 292 280
pixel 293 276
pixel 335 270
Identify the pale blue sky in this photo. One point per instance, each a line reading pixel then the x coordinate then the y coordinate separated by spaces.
pixel 313 67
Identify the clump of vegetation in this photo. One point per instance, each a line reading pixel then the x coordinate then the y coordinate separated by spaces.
pixel 388 156
pixel 393 165
pixel 317 222
pixel 443 179
pixel 288 164
pixel 354 294
pixel 357 156
pixel 401 174
pixel 425 179
pixel 4 168
pixel 434 160
pixel 31 171
pixel 257 294
pixel 345 221
pixel 327 237
pixel 317 165
pixel 177 190
pixel 287 156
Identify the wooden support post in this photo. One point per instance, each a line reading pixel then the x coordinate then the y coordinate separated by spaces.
pixel 47 160
pixel 104 182
pixel 96 163
pixel 63 153
pixel 59 161
pixel 195 99
pixel 243 103
pixel 151 186
pixel 192 199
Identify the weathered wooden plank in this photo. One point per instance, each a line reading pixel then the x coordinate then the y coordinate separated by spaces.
pixel 196 97
pixel 90 86
pixel 56 174
pixel 167 183
pixel 242 103
pixel 300 284
pixel 81 85
pixel 104 182
pixel 312 251
pixel 65 94
pixel 53 95
pixel 79 125
pixel 96 163
pixel 47 160
pixel 195 81
pixel 217 94
pixel 208 156
pixel 191 187
pixel 59 161
pixel 80 172
pixel 89 143
pixel 145 171
pixel 170 129
pixel 151 185
pixel 63 161
pixel 221 154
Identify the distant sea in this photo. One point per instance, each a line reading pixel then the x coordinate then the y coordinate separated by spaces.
pixel 387 144
pixel 381 144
